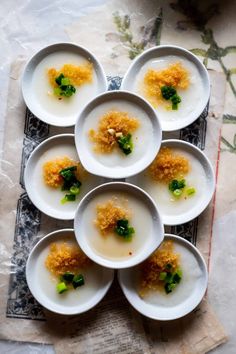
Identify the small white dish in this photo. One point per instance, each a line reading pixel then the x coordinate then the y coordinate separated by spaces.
pixel 194 99
pixel 43 285
pixel 36 89
pixel 113 251
pixel 48 199
pixel 201 176
pixel 185 297
pixel 146 138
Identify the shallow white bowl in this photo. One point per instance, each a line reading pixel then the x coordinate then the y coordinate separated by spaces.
pixel 116 165
pixel 128 279
pixel 198 204
pixel 28 90
pixel 40 280
pixel 150 243
pixel 128 82
pixel 43 197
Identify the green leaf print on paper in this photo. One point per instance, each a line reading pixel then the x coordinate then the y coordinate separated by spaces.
pixel 230 147
pixel 150 33
pixel 229 119
pixel 198 19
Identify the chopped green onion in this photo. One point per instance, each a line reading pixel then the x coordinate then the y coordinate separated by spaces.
pixel 61 287
pixel 176 187
pixel 67 276
pixel 57 91
pixel 175 99
pixel 162 276
pixel 170 93
pixel 59 79
pixel 68 90
pixel 74 190
pixel 68 173
pixel 171 280
pixel 179 272
pixel 64 87
pixel 77 281
pixel 169 287
pixel 123 229
pixel 191 191
pixel 71 184
pixel 177 184
pixel 65 81
pixel 125 144
pixel 177 192
pixel 168 266
pixel 169 277
pixel 167 92
pixel 68 198
pixel 176 278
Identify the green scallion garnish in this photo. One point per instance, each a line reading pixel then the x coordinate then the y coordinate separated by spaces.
pixel 64 86
pixel 77 281
pixel 170 93
pixel 125 144
pixel 70 184
pixel 123 229
pixel 170 278
pixel 61 287
pixel 190 191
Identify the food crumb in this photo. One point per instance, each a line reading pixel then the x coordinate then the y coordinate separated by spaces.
pixel 77 74
pixel 65 257
pixel 168 166
pixel 155 265
pixel 107 216
pixel 52 168
pixel 112 125
pixel 174 75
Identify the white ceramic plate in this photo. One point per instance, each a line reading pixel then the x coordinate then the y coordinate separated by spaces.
pixel 36 88
pixel 149 231
pixel 196 100
pixel 43 287
pixel 146 138
pixel 48 199
pixel 186 296
pixel 176 211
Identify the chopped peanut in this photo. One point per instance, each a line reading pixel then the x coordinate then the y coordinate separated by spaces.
pixel 111 124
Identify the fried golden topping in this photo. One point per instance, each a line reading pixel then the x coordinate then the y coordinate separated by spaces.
pixel 168 166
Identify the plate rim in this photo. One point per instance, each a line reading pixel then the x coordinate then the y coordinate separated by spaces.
pixel 27 174
pixel 102 260
pixel 49 50
pixel 212 179
pixel 103 98
pixel 44 239
pixel 206 79
pixel 196 252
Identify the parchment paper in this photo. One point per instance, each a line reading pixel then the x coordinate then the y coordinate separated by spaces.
pixel 200 331
pixel 112 326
